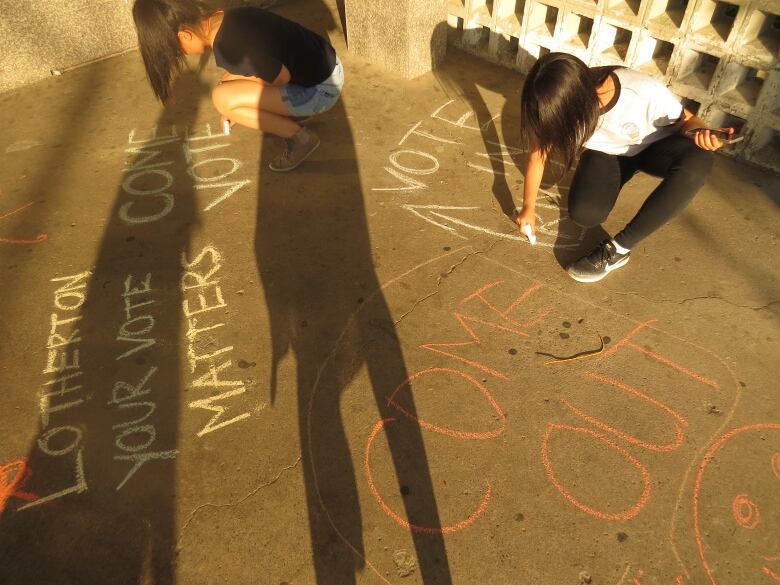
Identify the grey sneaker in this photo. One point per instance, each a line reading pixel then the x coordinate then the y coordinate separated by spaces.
pixel 297 149
pixel 600 262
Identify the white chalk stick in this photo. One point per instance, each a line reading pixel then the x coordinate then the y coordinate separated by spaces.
pixel 531 237
pixel 226 127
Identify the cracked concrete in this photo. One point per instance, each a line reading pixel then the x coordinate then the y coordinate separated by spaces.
pixel 328 366
pixel 255 491
pixel 442 276
pixel 700 298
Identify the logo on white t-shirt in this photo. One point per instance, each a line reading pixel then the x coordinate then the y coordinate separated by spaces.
pixel 630 131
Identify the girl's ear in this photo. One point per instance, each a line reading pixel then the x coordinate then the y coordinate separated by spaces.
pixel 185 37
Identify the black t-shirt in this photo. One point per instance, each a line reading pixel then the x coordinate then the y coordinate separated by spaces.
pixel 254 42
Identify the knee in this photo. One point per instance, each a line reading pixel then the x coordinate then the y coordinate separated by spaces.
pixel 585 214
pixel 220 97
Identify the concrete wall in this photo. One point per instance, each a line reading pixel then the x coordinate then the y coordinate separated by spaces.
pixel 722 56
pixel 405 37
pixel 40 36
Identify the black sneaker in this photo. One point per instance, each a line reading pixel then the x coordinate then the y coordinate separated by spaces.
pixel 600 262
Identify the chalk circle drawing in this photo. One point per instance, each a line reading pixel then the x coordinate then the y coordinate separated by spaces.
pixel 745 512
pixel 736 507
pixel 468 521
pixel 481 435
pixel 21 242
pixel 456 310
pixel 627 514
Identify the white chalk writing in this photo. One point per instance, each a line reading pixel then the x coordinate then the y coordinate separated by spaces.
pixel 203 298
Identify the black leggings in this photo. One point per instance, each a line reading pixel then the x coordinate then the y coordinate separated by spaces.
pixel 599 178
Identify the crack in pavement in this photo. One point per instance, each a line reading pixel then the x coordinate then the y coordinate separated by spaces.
pixel 443 276
pixel 700 298
pixel 236 503
pixel 414 306
pixel 714 298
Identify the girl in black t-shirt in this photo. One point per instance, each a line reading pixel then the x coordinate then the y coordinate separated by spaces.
pixel 276 70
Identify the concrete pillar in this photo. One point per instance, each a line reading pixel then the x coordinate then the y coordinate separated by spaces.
pixel 406 37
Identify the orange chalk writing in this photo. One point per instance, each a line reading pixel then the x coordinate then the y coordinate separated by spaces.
pixel 674 365
pixel 769 572
pixel 478 294
pixel 627 339
pixel 745 512
pixel 507 325
pixel 37 240
pixel 12 478
pixel 708 457
pixel 444 430
pixel 475 340
pixel 505 313
pixel 469 520
pixel 551 475
pixel 679 421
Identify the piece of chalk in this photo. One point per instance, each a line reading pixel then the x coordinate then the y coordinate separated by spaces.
pixel 531 237
pixel 226 127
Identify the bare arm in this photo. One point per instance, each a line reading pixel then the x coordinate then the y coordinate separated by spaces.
pixel 703 139
pixel 534 171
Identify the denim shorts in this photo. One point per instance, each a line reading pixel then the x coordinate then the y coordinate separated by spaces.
pixel 307 101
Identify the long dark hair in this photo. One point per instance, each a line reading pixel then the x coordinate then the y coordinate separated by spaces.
pixel 559 106
pixel 157 23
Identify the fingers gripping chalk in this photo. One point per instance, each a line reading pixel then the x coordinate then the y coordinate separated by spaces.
pixel 526 229
pixel 226 127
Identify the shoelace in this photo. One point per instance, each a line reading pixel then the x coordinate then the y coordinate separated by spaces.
pixel 600 256
pixel 286 155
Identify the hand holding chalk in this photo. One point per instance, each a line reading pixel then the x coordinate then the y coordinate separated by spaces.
pixel 226 127
pixel 528 231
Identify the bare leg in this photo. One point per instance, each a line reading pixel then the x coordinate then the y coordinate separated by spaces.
pixel 254 105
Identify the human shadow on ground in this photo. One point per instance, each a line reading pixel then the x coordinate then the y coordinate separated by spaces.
pixel 42 185
pixel 467 76
pixel 99 489
pixel 315 262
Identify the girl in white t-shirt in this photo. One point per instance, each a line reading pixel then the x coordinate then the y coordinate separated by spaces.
pixel 619 121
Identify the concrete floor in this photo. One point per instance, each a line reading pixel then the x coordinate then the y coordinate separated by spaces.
pixel 217 374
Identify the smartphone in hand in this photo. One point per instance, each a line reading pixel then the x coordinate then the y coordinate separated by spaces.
pixel 719 132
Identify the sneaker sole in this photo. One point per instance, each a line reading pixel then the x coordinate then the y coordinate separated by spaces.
pixel 300 162
pixel 596 278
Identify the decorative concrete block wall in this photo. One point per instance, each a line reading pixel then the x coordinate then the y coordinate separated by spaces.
pixel 720 56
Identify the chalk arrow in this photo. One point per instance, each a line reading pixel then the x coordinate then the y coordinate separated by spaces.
pixel 435 215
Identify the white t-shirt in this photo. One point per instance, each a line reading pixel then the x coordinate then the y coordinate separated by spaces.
pixel 644 112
